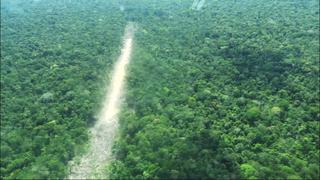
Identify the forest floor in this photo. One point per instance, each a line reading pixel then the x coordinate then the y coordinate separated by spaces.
pixel 91 165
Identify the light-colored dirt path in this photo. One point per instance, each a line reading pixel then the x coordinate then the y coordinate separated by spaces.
pixel 197 4
pixel 103 132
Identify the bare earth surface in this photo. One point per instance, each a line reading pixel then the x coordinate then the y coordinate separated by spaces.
pixel 197 4
pixel 103 132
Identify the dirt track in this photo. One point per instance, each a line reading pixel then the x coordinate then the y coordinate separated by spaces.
pixel 103 132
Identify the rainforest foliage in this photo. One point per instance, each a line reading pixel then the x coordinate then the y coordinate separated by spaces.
pixel 229 90
pixel 55 56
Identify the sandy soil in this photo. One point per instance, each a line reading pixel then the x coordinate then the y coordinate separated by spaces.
pixel 103 132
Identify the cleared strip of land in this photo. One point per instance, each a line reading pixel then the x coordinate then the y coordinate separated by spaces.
pixel 104 131
pixel 197 4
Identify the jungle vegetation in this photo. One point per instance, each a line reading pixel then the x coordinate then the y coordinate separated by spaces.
pixel 55 56
pixel 228 91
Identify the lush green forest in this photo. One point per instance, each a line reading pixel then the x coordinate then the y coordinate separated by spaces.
pixel 228 91
pixel 55 56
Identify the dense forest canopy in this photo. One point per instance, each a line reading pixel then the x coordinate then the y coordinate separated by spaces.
pixel 54 59
pixel 228 90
